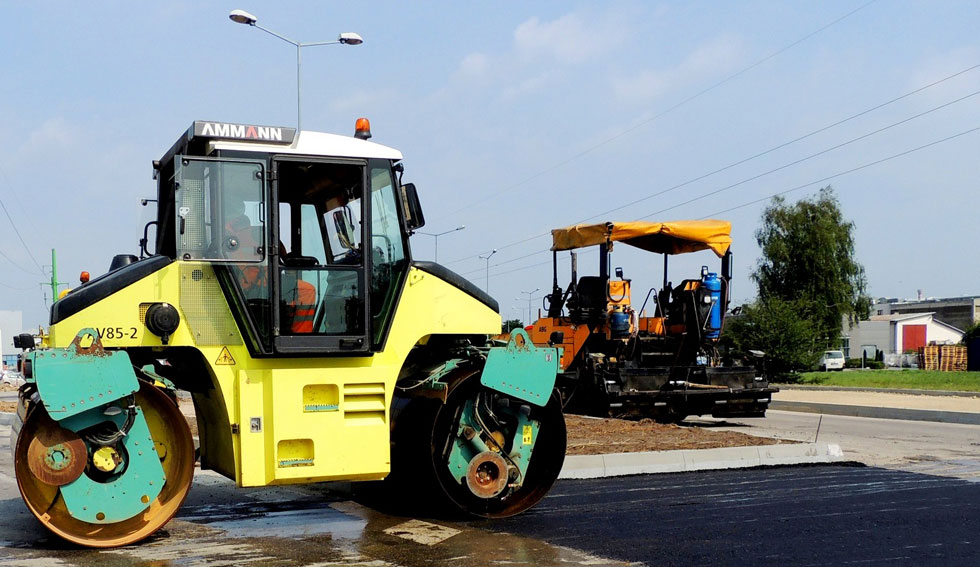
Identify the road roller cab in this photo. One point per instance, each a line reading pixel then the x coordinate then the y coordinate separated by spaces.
pixel 280 291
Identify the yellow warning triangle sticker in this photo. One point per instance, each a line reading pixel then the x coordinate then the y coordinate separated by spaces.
pixel 225 358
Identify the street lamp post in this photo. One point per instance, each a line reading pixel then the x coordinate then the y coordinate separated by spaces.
pixel 347 38
pixel 529 294
pixel 438 234
pixel 486 287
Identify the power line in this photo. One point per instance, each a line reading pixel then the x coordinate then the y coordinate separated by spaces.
pixel 14 226
pixel 745 160
pixel 659 115
pixel 811 156
pixel 8 286
pixel 17 201
pixel 784 144
pixel 505 262
pixel 852 170
pixel 797 188
pixel 21 238
pixel 15 264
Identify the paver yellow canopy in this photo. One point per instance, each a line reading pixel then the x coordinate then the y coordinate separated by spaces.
pixel 677 237
pixel 280 291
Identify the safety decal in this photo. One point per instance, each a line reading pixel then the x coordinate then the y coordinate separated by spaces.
pixel 225 358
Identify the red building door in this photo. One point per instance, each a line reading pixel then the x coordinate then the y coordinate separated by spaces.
pixel 913 337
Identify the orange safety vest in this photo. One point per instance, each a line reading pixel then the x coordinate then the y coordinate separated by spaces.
pixel 304 307
pixel 251 276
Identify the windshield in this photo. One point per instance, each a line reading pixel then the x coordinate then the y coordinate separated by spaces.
pixel 834 354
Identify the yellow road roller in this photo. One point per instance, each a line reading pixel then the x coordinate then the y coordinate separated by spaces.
pixel 277 287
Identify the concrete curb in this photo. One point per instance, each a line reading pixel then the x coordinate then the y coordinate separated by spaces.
pixel 7 418
pixel 960 417
pixel 620 464
pixel 905 391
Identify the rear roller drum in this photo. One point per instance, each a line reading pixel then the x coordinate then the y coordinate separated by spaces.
pixel 49 457
pixel 488 480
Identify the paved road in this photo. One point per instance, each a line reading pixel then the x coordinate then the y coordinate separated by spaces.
pixel 800 516
pixel 827 515
pixel 945 449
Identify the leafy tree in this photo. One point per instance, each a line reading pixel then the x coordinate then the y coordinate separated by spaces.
pixel 808 260
pixel 775 327
pixel 972 332
pixel 511 324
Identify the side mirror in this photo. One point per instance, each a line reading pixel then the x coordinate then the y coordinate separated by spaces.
pixel 414 219
pixel 345 230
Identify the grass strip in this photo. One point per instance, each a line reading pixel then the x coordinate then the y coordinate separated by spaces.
pixel 905 379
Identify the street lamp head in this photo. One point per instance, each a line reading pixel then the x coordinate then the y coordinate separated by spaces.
pixel 461 227
pixel 242 17
pixel 350 38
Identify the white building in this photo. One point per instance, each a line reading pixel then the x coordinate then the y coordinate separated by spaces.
pixel 960 312
pixel 896 334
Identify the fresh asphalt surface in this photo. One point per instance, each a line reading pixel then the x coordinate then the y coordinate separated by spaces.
pixel 800 516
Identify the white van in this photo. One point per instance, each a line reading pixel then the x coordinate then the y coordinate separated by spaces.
pixel 831 360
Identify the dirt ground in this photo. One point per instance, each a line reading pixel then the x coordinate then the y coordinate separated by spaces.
pixel 8 406
pixel 593 436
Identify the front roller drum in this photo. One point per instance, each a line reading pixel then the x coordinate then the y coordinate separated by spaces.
pixel 48 456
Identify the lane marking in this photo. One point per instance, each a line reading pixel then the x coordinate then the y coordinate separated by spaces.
pixel 422 532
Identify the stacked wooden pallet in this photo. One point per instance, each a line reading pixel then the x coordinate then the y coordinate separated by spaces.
pixel 952 358
pixel 945 358
pixel 929 357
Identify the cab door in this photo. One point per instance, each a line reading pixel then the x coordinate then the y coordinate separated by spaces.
pixel 320 288
pixel 220 221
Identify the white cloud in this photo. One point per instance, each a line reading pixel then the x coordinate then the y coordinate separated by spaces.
pixel 716 57
pixel 539 51
pixel 474 65
pixel 526 86
pixel 52 135
pixel 569 39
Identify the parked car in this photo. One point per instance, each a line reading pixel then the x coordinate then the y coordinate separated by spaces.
pixel 831 360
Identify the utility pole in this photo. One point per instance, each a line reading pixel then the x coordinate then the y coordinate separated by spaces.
pixel 54 283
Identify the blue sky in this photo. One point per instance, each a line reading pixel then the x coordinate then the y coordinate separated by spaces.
pixel 514 118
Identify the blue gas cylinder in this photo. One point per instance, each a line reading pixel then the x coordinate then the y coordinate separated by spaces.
pixel 619 323
pixel 713 284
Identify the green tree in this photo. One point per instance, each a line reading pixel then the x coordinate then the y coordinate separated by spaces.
pixel 972 332
pixel 511 324
pixel 808 259
pixel 775 327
